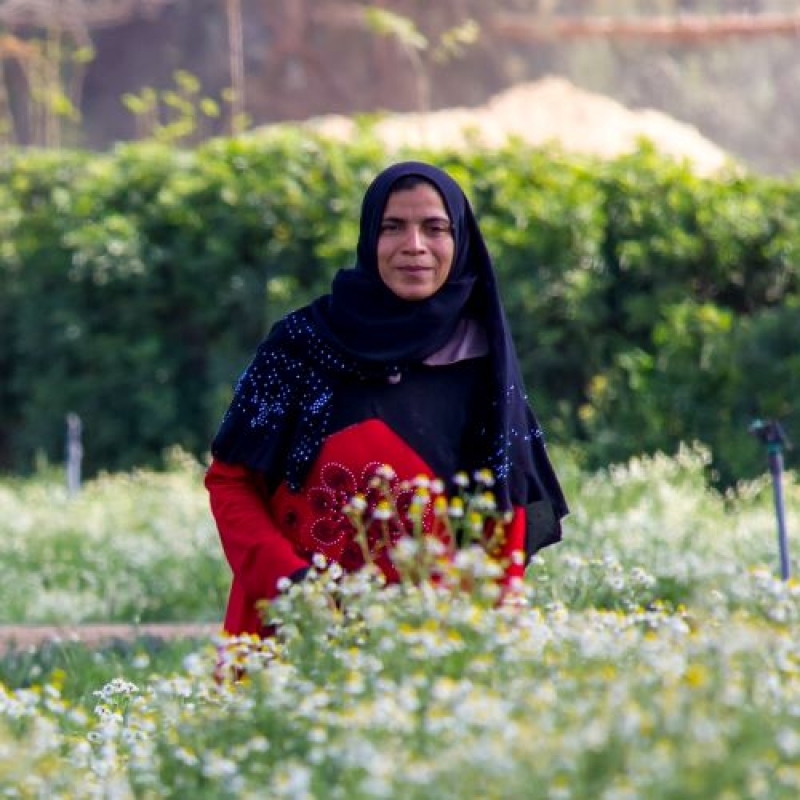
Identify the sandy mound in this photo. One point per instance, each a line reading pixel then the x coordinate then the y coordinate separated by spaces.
pixel 549 110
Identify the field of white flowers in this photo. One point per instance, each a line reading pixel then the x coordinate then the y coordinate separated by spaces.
pixel 654 654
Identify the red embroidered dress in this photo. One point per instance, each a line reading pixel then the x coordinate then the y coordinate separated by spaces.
pixel 269 535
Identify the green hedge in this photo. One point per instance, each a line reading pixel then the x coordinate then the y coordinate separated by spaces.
pixel 651 306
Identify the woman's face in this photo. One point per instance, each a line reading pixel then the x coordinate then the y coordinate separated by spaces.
pixel 415 245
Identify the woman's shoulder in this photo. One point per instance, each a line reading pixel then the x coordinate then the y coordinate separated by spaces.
pixel 291 333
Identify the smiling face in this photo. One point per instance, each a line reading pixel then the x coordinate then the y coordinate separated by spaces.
pixel 415 245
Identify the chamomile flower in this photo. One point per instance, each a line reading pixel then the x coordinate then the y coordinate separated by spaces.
pixel 456 509
pixel 461 479
pixel 319 561
pixel 383 511
pixel 484 477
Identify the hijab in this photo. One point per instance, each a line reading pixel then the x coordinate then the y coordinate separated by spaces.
pixel 360 302
pixel 281 408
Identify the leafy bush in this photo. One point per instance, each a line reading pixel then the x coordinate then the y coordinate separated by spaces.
pixel 136 285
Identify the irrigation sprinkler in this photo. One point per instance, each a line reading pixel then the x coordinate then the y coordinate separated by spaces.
pixel 771 433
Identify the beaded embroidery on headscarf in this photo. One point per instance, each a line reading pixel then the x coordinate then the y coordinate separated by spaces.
pixel 286 393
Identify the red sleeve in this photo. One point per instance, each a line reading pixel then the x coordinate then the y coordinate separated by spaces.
pixel 511 550
pixel 257 551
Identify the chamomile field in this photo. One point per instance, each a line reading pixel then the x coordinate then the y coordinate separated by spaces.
pixel 653 654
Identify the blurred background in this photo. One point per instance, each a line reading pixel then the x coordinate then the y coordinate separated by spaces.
pixel 90 73
pixel 163 201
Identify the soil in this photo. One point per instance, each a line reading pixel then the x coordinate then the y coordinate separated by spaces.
pixel 24 637
pixel 551 110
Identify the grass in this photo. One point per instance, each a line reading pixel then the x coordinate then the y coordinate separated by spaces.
pixel 79 669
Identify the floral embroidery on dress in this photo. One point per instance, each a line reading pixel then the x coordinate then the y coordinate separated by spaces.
pixel 330 530
pixel 338 479
pixel 321 500
pixel 388 506
pixel 327 503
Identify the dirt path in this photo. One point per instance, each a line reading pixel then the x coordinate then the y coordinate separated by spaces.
pixel 32 636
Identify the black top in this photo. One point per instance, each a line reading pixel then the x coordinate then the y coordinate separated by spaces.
pixel 435 409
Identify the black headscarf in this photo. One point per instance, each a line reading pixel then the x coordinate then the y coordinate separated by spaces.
pixel 360 302
pixel 280 412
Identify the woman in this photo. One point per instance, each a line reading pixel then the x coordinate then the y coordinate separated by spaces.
pixel 405 369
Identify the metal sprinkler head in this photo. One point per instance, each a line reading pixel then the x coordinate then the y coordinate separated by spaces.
pixel 771 433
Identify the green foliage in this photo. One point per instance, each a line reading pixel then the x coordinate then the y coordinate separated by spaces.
pixel 177 115
pixel 395 26
pixel 53 66
pixel 137 547
pixel 78 668
pixel 651 306
pixel 708 375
